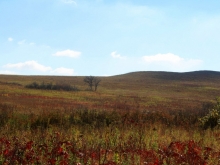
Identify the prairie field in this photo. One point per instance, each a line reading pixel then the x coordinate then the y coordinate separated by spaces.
pixel 140 118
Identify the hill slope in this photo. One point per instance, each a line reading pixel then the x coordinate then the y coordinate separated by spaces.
pixel 137 90
pixel 173 76
pixel 141 79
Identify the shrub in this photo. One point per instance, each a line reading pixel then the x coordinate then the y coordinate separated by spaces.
pixel 212 119
pixel 50 86
pixel 33 85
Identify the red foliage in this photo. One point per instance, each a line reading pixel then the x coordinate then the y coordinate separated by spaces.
pixel 64 153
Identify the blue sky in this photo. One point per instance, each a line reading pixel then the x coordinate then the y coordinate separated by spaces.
pixel 108 37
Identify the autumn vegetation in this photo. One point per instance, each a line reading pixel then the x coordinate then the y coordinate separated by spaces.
pixel 51 86
pixel 153 118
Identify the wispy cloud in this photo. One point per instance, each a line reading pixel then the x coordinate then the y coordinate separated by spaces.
pixel 7 72
pixel 31 43
pixel 30 65
pixel 24 42
pixel 63 71
pixel 10 39
pixel 68 53
pixel 172 61
pixel 69 2
pixel 169 57
pixel 34 66
pixel 21 42
pixel 117 55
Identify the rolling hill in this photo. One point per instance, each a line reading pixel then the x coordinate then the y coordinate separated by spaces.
pixel 136 90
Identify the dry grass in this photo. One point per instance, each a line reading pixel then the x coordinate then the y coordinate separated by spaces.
pixel 144 112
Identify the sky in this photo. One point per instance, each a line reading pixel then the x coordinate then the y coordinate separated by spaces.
pixel 108 37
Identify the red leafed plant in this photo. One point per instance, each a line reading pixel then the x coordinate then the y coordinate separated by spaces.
pixel 65 153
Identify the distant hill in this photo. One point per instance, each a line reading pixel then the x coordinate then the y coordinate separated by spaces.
pixel 204 84
pixel 138 79
pixel 160 75
pixel 181 76
pixel 146 89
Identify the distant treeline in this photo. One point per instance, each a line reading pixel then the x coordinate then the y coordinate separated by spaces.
pixel 10 83
pixel 51 86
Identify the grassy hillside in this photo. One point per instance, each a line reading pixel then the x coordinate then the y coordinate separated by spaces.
pixel 135 118
pixel 145 90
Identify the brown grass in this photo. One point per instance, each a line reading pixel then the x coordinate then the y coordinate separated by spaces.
pixel 141 112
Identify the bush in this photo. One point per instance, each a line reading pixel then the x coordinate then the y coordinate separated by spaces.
pixel 33 85
pixel 50 86
pixel 212 119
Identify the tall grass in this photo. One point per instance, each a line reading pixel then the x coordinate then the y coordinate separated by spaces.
pixel 87 136
pixel 65 118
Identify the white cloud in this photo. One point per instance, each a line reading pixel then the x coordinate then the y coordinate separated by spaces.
pixel 37 68
pixel 70 2
pixel 30 65
pixel 171 62
pixel 68 53
pixel 106 75
pixel 169 57
pixel 10 39
pixel 24 42
pixel 63 71
pixel 7 72
pixel 21 42
pixel 116 55
pixel 31 43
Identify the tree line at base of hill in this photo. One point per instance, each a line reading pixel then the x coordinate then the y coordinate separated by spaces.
pixel 92 82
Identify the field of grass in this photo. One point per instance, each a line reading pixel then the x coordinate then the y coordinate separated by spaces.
pixel 132 119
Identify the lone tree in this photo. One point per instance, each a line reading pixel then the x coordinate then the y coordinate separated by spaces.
pixel 92 81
